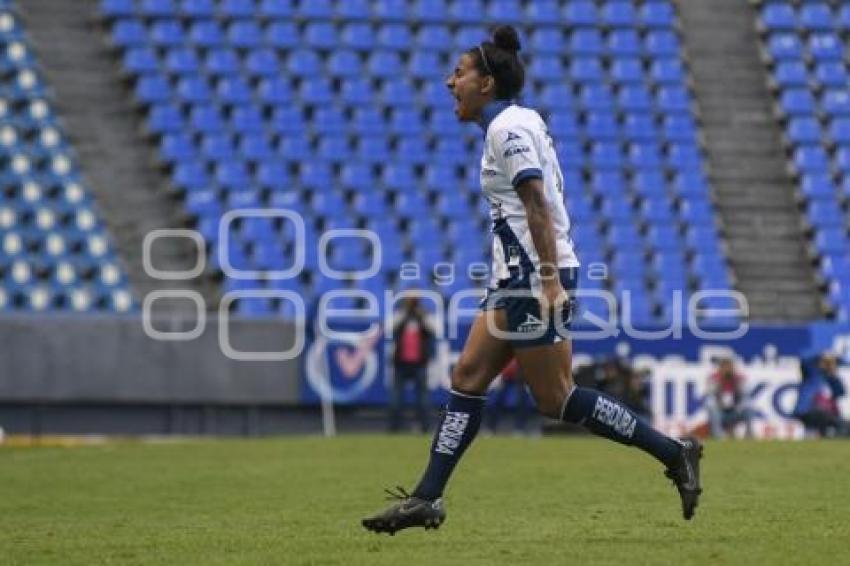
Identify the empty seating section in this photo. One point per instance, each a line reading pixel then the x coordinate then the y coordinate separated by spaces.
pixel 55 254
pixel 337 109
pixel 806 45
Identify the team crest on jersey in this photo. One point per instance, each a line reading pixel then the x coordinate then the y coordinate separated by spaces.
pixel 512 136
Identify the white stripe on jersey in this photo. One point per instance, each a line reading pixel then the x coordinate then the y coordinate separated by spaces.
pixel 517 146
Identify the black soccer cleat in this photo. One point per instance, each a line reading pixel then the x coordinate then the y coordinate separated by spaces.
pixel 686 476
pixel 407 512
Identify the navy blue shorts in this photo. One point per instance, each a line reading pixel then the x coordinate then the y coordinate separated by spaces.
pixel 525 327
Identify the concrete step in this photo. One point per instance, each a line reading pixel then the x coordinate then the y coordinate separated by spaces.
pixel 753 192
pixel 96 108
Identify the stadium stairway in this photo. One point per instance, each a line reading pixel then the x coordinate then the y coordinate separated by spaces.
pixel 105 130
pixel 753 189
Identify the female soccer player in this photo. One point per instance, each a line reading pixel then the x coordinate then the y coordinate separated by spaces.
pixel 527 309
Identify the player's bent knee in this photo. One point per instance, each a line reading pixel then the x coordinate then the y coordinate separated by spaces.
pixel 551 404
pixel 551 410
pixel 467 378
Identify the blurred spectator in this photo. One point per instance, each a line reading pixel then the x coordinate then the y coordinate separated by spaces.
pixel 727 401
pixel 414 345
pixel 618 378
pixel 817 404
pixel 636 392
pixel 511 384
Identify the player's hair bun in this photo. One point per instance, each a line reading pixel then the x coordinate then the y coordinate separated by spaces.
pixel 506 37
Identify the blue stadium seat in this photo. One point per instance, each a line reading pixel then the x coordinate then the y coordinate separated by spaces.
pixel 625 43
pixel 791 74
pixel 586 42
pixel 249 120
pixel 114 9
pixel 182 61
pixel 602 126
pixel 157 8
pixel 544 12
pixel 197 9
pixel 839 131
pixel 206 33
pixel 505 12
pixel 426 65
pixel 430 11
pixel 696 213
pixel 618 14
pixel 165 118
pixel 234 91
pixel 235 9
pixel 358 35
pixel 564 126
pixel 657 14
pixel 166 33
pixel 384 64
pixel 152 89
pixel 836 102
pixel 394 36
pixel 141 60
pixel 778 17
pixel 467 11
pixel 785 47
pixel 673 99
pixel 398 92
pixel 194 90
pixel 282 35
pixel 825 47
pixel 640 127
pixel 797 102
pixel 804 130
pixel 274 91
pixel 831 74
pixel 627 70
pixel 581 13
pixel 810 159
pixel 222 62
pixel 619 212
pixel 304 62
pixel 547 40
pixel 373 149
pixel 412 149
pixel 316 10
pixel 825 213
pixel 596 97
pixel 356 91
pixel 262 63
pixel 316 91
pixel 582 69
pixel 831 241
pixel 818 186
pixel 433 38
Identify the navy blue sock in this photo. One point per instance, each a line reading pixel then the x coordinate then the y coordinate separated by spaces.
pixel 455 432
pixel 606 417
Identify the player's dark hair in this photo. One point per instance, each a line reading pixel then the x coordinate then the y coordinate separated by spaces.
pixel 499 58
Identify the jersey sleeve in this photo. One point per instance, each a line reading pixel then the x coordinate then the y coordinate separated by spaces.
pixel 516 155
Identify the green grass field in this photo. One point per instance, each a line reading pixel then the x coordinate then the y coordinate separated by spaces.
pixel 513 501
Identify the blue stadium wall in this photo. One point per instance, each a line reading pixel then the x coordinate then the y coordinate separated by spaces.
pixel 53 381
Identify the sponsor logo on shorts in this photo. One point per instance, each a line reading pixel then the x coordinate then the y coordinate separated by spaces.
pixel 512 136
pixel 531 324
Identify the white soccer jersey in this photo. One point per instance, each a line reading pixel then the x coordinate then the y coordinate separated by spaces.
pixel 517 146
